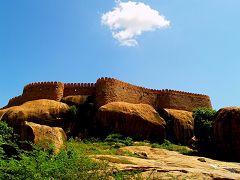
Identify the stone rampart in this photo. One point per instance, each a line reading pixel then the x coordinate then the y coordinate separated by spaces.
pixel 16 101
pixel 108 90
pixel 79 89
pixel 182 100
pixel 43 90
pixel 112 90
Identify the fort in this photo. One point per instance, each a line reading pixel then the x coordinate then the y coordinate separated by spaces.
pixel 107 90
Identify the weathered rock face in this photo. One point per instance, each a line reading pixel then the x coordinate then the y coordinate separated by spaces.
pixel 179 125
pixel 135 120
pixel 47 112
pixel 227 131
pixel 75 100
pixel 163 164
pixel 45 136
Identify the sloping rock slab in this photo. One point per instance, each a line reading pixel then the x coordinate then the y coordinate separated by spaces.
pixel 227 131
pixel 45 136
pixel 47 112
pixel 179 125
pixel 135 120
pixel 165 164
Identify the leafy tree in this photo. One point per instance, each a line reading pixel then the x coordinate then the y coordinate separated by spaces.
pixel 203 124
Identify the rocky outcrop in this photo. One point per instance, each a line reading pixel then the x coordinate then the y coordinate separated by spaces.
pixel 75 100
pixel 163 164
pixel 45 136
pixel 227 131
pixel 135 120
pixel 179 125
pixel 47 112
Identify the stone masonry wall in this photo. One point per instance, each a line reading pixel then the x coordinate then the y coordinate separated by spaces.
pixel 43 90
pixel 79 89
pixel 110 90
pixel 182 100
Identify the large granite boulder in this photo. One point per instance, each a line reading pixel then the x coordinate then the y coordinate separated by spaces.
pixel 75 100
pixel 227 131
pixel 179 125
pixel 46 112
pixel 47 137
pixel 135 120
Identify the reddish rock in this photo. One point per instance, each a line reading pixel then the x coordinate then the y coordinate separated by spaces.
pixel 179 125
pixel 135 120
pixel 227 131
pixel 75 100
pixel 45 136
pixel 47 112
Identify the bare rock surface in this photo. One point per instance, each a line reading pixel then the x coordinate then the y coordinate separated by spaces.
pixel 179 125
pixel 47 112
pixel 45 136
pixel 135 120
pixel 165 164
pixel 75 99
pixel 227 131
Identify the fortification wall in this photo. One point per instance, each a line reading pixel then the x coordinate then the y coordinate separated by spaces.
pixel 182 100
pixel 16 101
pixel 43 90
pixel 110 90
pixel 79 89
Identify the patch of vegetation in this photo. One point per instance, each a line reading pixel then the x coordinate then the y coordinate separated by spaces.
pixel 42 164
pixel 203 127
pixel 118 138
pixel 115 160
pixel 173 147
pixel 132 174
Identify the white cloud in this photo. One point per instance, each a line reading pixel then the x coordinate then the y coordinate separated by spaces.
pixel 130 19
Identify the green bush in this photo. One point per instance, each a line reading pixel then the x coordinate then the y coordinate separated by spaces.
pixel 173 147
pixel 73 111
pixel 203 124
pixel 118 138
pixel 42 164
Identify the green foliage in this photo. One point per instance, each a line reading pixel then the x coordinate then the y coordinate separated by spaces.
pixel 42 164
pixel 133 174
pixel 73 111
pixel 203 124
pixel 173 147
pixel 118 138
pixel 6 133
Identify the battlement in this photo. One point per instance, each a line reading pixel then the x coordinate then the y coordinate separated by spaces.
pixel 110 90
pixel 79 89
pixel 107 90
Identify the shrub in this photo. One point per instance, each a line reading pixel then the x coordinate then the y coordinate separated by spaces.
pixel 42 164
pixel 203 125
pixel 173 147
pixel 118 138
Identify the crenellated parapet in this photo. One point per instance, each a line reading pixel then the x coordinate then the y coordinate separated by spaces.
pixel 182 100
pixel 107 90
pixel 43 90
pixel 16 101
pixel 110 90
pixel 78 89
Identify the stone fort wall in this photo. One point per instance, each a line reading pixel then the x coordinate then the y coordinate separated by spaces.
pixel 51 90
pixel 79 89
pixel 108 90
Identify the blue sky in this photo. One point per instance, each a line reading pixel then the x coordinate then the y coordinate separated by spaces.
pixel 57 40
